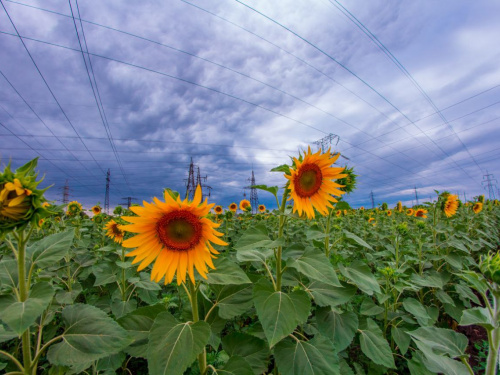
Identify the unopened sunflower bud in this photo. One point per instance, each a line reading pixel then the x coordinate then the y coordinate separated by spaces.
pixel 490 267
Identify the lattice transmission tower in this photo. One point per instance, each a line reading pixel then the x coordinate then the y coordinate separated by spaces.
pixel 129 201
pixel 254 198
pixel 490 182
pixel 65 192
pixel 106 195
pixel 192 183
pixel 329 141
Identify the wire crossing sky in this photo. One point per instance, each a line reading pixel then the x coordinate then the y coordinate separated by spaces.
pixel 412 88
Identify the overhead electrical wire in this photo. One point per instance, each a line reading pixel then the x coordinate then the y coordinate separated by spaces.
pixel 95 91
pixel 44 80
pixel 401 67
pixel 213 90
pixel 415 160
pixel 356 76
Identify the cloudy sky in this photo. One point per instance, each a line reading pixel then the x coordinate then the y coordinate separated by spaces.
pixel 411 89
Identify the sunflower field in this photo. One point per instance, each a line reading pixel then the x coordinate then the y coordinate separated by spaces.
pixel 181 286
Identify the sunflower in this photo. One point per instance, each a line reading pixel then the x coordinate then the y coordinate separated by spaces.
pixel 218 210
pixel 176 234
pixel 389 213
pixel 244 204
pixel 399 207
pixel 477 208
pixel 96 210
pixel 409 212
pixel 361 208
pixel 40 222
pixel 114 231
pixel 233 207
pixel 372 221
pixel 421 213
pixel 45 204
pixel 73 208
pixel 338 213
pixel 451 205
pixel 262 208
pixel 311 186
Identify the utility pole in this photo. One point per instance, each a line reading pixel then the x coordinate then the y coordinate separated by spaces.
pixel 106 196
pixel 254 199
pixel 129 201
pixel 490 181
pixel 373 200
pixel 416 195
pixel 65 192
pixel 465 197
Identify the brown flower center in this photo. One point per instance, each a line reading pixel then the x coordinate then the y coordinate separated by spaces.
pixel 179 230
pixel 308 181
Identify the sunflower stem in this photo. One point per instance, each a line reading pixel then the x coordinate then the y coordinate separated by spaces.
pixel 327 232
pixel 193 297
pixel 23 296
pixel 279 272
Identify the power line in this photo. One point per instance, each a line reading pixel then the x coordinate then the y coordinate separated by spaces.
pixel 237 72
pixel 402 68
pixel 44 80
pixel 97 95
pixel 356 76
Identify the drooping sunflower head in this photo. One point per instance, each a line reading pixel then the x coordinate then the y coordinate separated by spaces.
pixel 409 212
pixel 21 202
pixel 399 207
pixel 233 207
pixel 349 182
pixel 450 205
pixel 311 183
pixel 114 231
pixel 421 213
pixel 218 210
pixel 262 208
pixel 245 205
pixel 96 210
pixel 477 208
pixel 74 208
pixel 175 234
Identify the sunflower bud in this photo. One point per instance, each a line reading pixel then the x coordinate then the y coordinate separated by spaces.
pixel 481 198
pixel 20 200
pixel 402 228
pixel 490 267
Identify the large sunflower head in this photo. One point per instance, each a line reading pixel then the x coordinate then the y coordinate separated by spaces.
pixel 311 183
pixel 114 231
pixel 477 208
pixel 96 210
pixel 450 205
pixel 177 234
pixel 245 205
pixel 233 207
pixel 262 208
pixel 74 208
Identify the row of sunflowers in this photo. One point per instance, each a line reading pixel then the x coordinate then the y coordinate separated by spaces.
pixel 183 286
